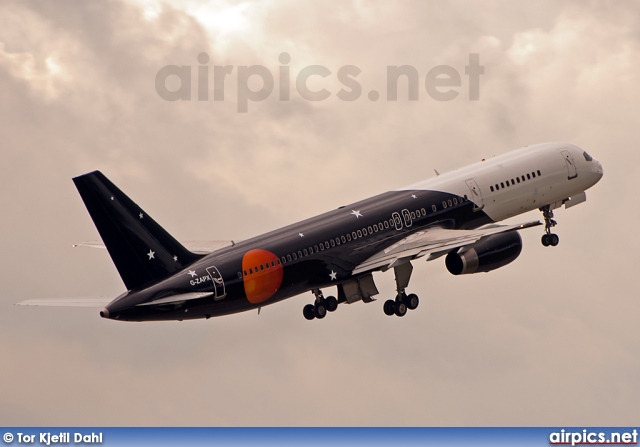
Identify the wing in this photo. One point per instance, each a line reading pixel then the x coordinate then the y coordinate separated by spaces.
pixel 434 242
pixel 67 302
pixel 199 247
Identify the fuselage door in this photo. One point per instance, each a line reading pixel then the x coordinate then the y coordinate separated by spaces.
pixel 218 283
pixel 571 166
pixel 397 220
pixel 475 194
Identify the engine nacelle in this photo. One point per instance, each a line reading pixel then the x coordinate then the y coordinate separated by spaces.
pixel 489 254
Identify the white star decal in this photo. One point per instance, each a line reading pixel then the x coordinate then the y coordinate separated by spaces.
pixel 333 275
pixel 151 254
pixel 192 273
pixel 413 196
pixel 140 215
pixel 301 234
pixel 356 213
pixel 175 259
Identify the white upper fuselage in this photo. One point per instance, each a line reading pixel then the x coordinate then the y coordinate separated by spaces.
pixel 520 180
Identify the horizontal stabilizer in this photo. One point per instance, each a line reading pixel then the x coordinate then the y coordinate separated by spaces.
pixel 67 302
pixel 198 247
pixel 179 298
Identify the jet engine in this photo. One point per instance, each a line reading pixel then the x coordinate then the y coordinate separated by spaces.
pixel 485 255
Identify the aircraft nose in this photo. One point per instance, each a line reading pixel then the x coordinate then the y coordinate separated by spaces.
pixel 104 313
pixel 599 169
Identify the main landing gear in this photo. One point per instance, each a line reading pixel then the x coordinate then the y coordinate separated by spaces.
pixel 321 306
pixel 549 238
pixel 403 302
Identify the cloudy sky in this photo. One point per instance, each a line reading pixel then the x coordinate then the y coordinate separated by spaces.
pixel 551 339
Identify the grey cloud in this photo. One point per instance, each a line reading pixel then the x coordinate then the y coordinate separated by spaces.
pixel 550 339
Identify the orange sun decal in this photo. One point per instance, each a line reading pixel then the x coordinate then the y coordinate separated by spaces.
pixel 262 275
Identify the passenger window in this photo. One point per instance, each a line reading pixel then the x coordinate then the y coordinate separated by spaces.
pixel 266 265
pixel 518 179
pixel 434 208
pixel 348 237
pixel 321 247
pixel 355 235
pixel 245 273
pixel 533 174
pixel 528 176
pixel 359 233
pixel 423 211
pixel 386 224
pixel 449 202
pixel 491 187
pixel 370 230
pixel 273 264
pixel 333 243
pixel 326 245
pixel 539 172
pixel 294 256
pixel 289 258
pixel 283 261
pixel 315 248
pixel 251 271
pixel 344 241
pixel 502 184
pixel 455 201
pixel 444 204
pixel 523 179
pixel 299 254
pixel 507 182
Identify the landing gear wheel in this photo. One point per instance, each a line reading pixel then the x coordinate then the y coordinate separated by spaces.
pixel 549 238
pixel 320 311
pixel 401 309
pixel 412 301
pixel 545 240
pixel 389 307
pixel 331 303
pixel 309 312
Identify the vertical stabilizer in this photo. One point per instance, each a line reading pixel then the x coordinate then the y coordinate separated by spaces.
pixel 142 251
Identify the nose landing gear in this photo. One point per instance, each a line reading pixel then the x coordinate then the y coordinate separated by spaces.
pixel 549 238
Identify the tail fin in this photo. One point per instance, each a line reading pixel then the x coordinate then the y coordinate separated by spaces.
pixel 142 250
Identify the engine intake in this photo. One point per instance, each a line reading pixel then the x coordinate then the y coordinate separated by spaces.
pixel 488 254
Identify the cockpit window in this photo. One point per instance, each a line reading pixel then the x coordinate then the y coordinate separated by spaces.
pixel 587 156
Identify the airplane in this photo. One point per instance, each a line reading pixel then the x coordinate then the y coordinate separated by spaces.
pixel 453 215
